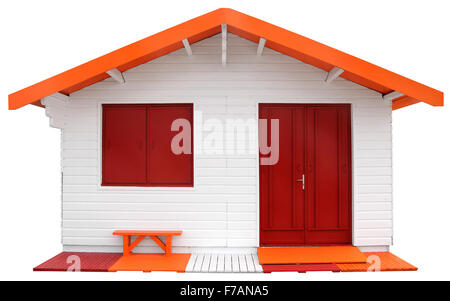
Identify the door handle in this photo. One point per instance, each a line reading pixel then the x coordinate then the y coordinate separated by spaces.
pixel 302 180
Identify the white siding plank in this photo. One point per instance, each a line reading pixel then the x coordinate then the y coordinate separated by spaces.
pixel 143 216
pixel 114 241
pixel 149 207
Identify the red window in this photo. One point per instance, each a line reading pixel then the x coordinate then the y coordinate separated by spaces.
pixel 141 149
pixel 124 144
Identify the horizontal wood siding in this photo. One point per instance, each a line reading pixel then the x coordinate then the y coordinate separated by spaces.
pixel 222 209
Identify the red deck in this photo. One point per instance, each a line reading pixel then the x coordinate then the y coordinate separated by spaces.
pixel 88 262
pixel 300 268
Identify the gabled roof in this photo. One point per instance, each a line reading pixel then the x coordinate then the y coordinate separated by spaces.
pixel 279 39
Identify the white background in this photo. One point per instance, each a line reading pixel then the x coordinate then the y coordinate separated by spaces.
pixel 43 38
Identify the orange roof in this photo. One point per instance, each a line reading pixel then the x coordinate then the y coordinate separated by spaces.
pixel 279 39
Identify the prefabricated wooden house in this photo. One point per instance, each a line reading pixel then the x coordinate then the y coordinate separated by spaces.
pixel 234 131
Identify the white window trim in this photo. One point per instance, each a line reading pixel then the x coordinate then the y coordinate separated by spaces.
pixel 150 100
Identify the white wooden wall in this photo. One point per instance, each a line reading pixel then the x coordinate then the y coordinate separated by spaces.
pixel 222 209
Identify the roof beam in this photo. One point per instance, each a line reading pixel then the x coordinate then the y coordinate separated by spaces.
pixel 38 104
pixel 187 47
pixel 262 43
pixel 391 96
pixel 333 74
pixel 224 44
pixel 403 102
pixel 116 75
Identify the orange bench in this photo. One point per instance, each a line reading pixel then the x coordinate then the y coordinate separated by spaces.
pixel 141 234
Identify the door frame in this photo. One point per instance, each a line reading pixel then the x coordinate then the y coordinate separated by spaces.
pixel 352 159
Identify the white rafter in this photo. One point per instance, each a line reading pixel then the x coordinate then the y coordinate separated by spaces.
pixel 333 74
pixel 116 75
pixel 262 43
pixel 391 96
pixel 187 47
pixel 224 44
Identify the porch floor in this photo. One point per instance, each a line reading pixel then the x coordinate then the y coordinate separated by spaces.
pixel 216 263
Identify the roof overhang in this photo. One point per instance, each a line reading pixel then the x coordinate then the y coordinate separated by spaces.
pixel 277 38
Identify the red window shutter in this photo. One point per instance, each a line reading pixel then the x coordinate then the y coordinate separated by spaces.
pixel 124 144
pixel 165 168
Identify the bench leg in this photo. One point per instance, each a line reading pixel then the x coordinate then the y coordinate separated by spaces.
pixel 159 242
pixel 126 245
pixel 168 244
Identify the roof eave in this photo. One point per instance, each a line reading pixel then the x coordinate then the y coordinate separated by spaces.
pixel 328 57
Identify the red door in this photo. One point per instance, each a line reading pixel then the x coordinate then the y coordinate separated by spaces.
pixel 305 197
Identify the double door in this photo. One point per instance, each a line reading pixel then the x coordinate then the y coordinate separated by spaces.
pixel 305 195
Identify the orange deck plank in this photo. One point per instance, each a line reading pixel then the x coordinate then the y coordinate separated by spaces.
pixel 388 262
pixel 294 255
pixel 152 262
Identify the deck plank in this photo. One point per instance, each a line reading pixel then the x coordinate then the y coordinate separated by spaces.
pixel 213 263
pixel 191 263
pixel 250 264
pixel 198 263
pixel 228 268
pixel 206 262
pixel 221 263
pixel 258 267
pixel 235 263
pixel 242 263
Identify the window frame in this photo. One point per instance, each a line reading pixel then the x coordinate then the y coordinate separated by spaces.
pixel 147 185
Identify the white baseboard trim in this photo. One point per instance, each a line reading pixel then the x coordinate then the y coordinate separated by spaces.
pixel 373 248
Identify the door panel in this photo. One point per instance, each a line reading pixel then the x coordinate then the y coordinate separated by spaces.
pixel 282 218
pixel 328 185
pixel 280 175
pixel 323 178
pixel 314 141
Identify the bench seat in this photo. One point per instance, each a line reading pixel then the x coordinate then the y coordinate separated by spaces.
pixel 128 246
